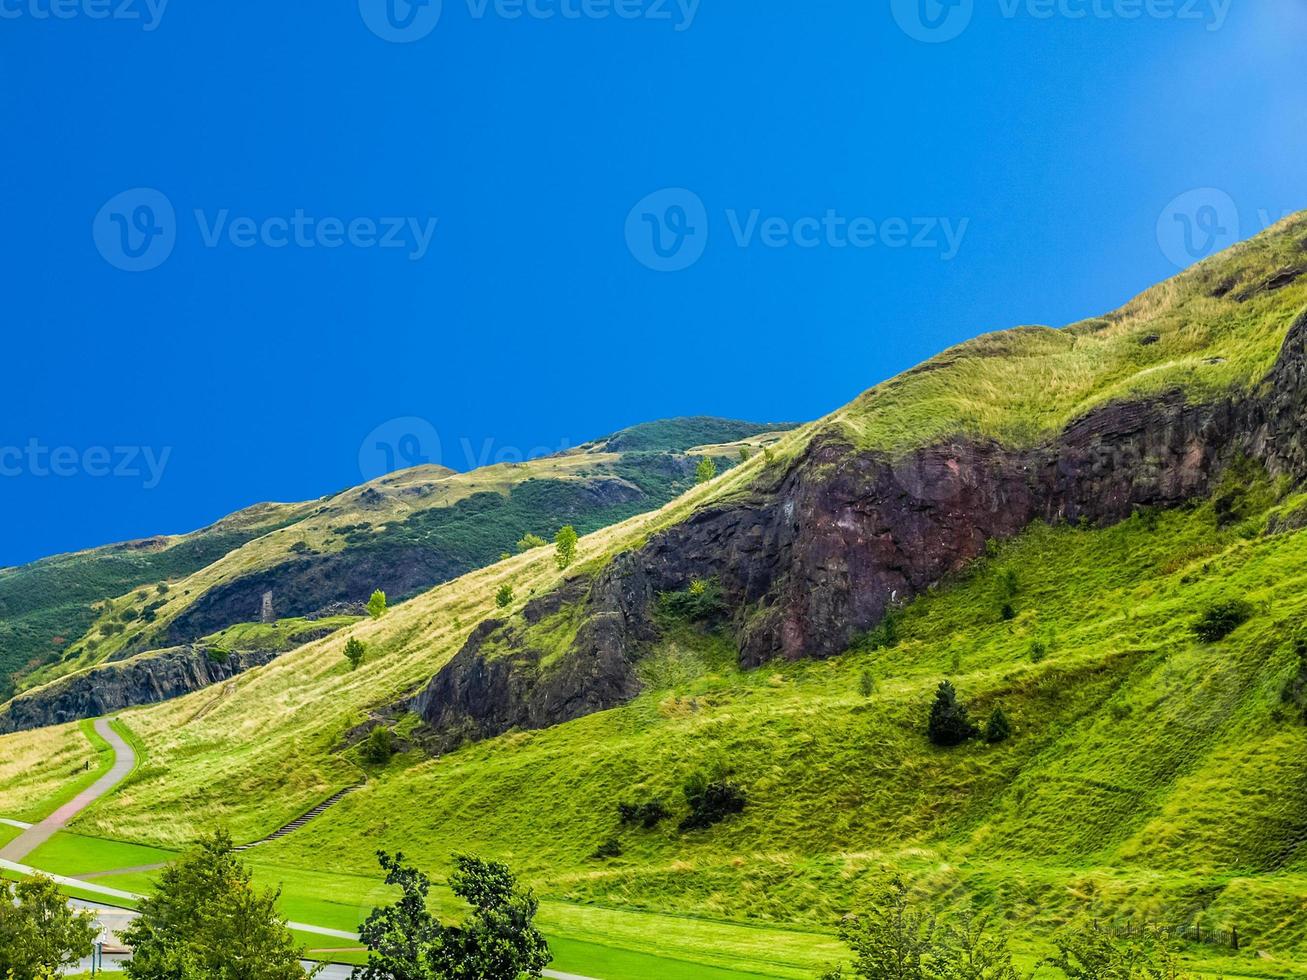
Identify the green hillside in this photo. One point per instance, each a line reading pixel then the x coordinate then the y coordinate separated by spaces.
pixel 1153 672
pixel 49 604
pixel 403 533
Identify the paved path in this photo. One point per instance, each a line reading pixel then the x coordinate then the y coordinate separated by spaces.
pixel 124 762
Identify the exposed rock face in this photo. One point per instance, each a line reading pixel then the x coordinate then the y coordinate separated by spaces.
pixel 818 558
pixel 112 687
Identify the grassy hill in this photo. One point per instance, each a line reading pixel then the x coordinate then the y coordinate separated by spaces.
pixel 1154 773
pixel 49 604
pixel 402 533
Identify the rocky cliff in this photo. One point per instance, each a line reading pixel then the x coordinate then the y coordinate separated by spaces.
pixel 824 548
pixel 112 687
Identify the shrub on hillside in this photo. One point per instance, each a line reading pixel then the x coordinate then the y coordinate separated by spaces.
pixel 950 723
pixel 355 651
pixel 647 815
pixel 1294 694
pixel 998 728
pixel 701 602
pixel 504 597
pixel 529 541
pixel 867 684
pixel 1222 619
pixel 611 848
pixel 379 746
pixel 711 801
pixel 705 471
pixel 377 604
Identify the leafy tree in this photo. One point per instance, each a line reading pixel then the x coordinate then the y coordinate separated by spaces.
pixel 498 939
pixel 401 938
pixel 205 921
pixel 998 729
pixel 355 651
pixel 949 722
pixel 377 604
pixel 705 471
pixel 565 546
pixel 967 949
pixel 504 597
pixel 893 940
pixel 379 746
pixel 39 933
pixel 1090 954
pixel 530 541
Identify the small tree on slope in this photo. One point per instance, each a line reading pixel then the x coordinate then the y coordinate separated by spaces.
pixel 949 722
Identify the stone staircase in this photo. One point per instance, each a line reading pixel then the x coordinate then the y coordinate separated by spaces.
pixel 299 822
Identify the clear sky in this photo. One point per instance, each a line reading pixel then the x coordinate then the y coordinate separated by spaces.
pixel 241 239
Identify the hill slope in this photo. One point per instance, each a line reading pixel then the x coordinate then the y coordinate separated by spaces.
pixel 402 533
pixel 1045 517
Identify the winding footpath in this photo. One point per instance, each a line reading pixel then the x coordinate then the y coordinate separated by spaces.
pixel 32 838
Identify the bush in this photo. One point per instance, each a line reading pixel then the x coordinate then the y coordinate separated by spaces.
pixel 611 848
pixel 998 729
pixel 379 746
pixel 377 604
pixel 1007 612
pixel 1038 651
pixel 1222 619
pixel 867 684
pixel 885 634
pixel 355 651
pixel 504 597
pixel 1294 693
pixel 529 541
pixel 647 815
pixel 701 602
pixel 705 471
pixel 711 801
pixel 949 724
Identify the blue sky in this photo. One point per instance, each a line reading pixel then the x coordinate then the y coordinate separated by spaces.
pixel 258 251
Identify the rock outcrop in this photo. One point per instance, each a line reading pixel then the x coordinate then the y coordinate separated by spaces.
pixel 820 554
pixel 146 679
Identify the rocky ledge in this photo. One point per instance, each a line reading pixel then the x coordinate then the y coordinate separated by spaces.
pixel 146 679
pixel 823 549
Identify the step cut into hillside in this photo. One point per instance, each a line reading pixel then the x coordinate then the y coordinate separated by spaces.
pixel 821 548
